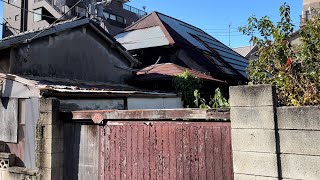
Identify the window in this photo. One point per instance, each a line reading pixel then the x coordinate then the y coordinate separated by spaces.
pixel 16 17
pixel 113 17
pixel 120 19
pixel 106 15
pixel 36 16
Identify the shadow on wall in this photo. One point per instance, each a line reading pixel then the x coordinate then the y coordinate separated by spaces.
pixel 71 150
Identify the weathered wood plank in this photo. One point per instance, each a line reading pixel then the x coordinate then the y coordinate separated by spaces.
pixel 173 114
pixel 227 153
pixel 129 152
pixel 172 149
pixel 146 152
pixel 101 153
pixel 217 153
pixel 159 146
pixel 179 152
pixel 153 153
pixel 186 152
pixel 194 167
pixel 134 152
pixel 107 153
pixel 202 153
pixel 209 153
pixel 166 152
pixel 118 149
pixel 140 152
pixel 113 149
pixel 123 151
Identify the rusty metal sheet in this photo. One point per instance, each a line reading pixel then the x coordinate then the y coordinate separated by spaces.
pixel 9 120
pixel 167 150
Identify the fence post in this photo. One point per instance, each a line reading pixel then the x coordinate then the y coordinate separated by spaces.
pixel 255 139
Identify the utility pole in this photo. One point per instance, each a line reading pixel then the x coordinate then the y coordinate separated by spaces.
pixel 229 34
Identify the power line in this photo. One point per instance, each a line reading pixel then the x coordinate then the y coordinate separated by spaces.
pixel 28 40
pixel 9 25
pixel 28 10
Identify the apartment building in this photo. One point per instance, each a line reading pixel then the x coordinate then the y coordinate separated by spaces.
pixel 310 8
pixel 24 15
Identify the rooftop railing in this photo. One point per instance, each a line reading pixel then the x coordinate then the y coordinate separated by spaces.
pixel 134 10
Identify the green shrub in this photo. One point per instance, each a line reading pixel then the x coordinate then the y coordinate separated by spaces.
pixel 294 70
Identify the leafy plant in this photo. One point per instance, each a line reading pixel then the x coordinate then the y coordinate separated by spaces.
pixel 185 85
pixel 200 102
pixel 294 70
pixel 218 101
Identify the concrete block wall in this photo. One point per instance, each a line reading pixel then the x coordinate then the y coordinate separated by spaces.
pixel 253 132
pixel 49 137
pixel 272 142
pixel 299 129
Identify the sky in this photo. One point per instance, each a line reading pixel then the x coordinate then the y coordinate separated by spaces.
pixel 215 16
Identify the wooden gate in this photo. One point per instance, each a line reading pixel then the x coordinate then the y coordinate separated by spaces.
pixel 155 144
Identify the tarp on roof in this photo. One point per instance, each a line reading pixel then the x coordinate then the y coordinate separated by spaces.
pixel 144 38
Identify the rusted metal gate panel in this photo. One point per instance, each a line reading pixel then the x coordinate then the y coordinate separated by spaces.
pixel 165 150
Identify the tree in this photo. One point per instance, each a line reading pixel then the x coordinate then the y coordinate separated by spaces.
pixel 294 70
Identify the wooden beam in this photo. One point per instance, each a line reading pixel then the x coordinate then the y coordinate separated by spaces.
pixel 168 114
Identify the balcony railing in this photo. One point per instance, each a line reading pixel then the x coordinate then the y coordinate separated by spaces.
pixel 134 10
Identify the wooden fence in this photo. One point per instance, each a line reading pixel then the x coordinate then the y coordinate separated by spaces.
pixel 136 145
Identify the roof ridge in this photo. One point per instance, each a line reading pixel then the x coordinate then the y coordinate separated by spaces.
pixel 42 28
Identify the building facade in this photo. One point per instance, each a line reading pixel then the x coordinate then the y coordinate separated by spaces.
pixel 310 8
pixel 23 15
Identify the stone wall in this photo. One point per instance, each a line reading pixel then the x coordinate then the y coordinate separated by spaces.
pixel 272 142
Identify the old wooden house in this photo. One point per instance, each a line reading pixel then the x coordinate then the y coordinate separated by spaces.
pixel 158 36
pixel 73 65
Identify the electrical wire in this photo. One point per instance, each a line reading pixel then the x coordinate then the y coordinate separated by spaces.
pixel 29 40
pixel 139 70
pixel 27 10
pixel 8 25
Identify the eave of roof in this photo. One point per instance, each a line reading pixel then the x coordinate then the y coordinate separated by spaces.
pixel 50 86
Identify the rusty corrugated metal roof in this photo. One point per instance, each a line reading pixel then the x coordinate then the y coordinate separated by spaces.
pixel 50 85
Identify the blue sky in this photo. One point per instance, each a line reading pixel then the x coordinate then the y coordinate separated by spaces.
pixel 214 16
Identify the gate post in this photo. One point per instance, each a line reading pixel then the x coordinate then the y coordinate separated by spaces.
pixel 255 139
